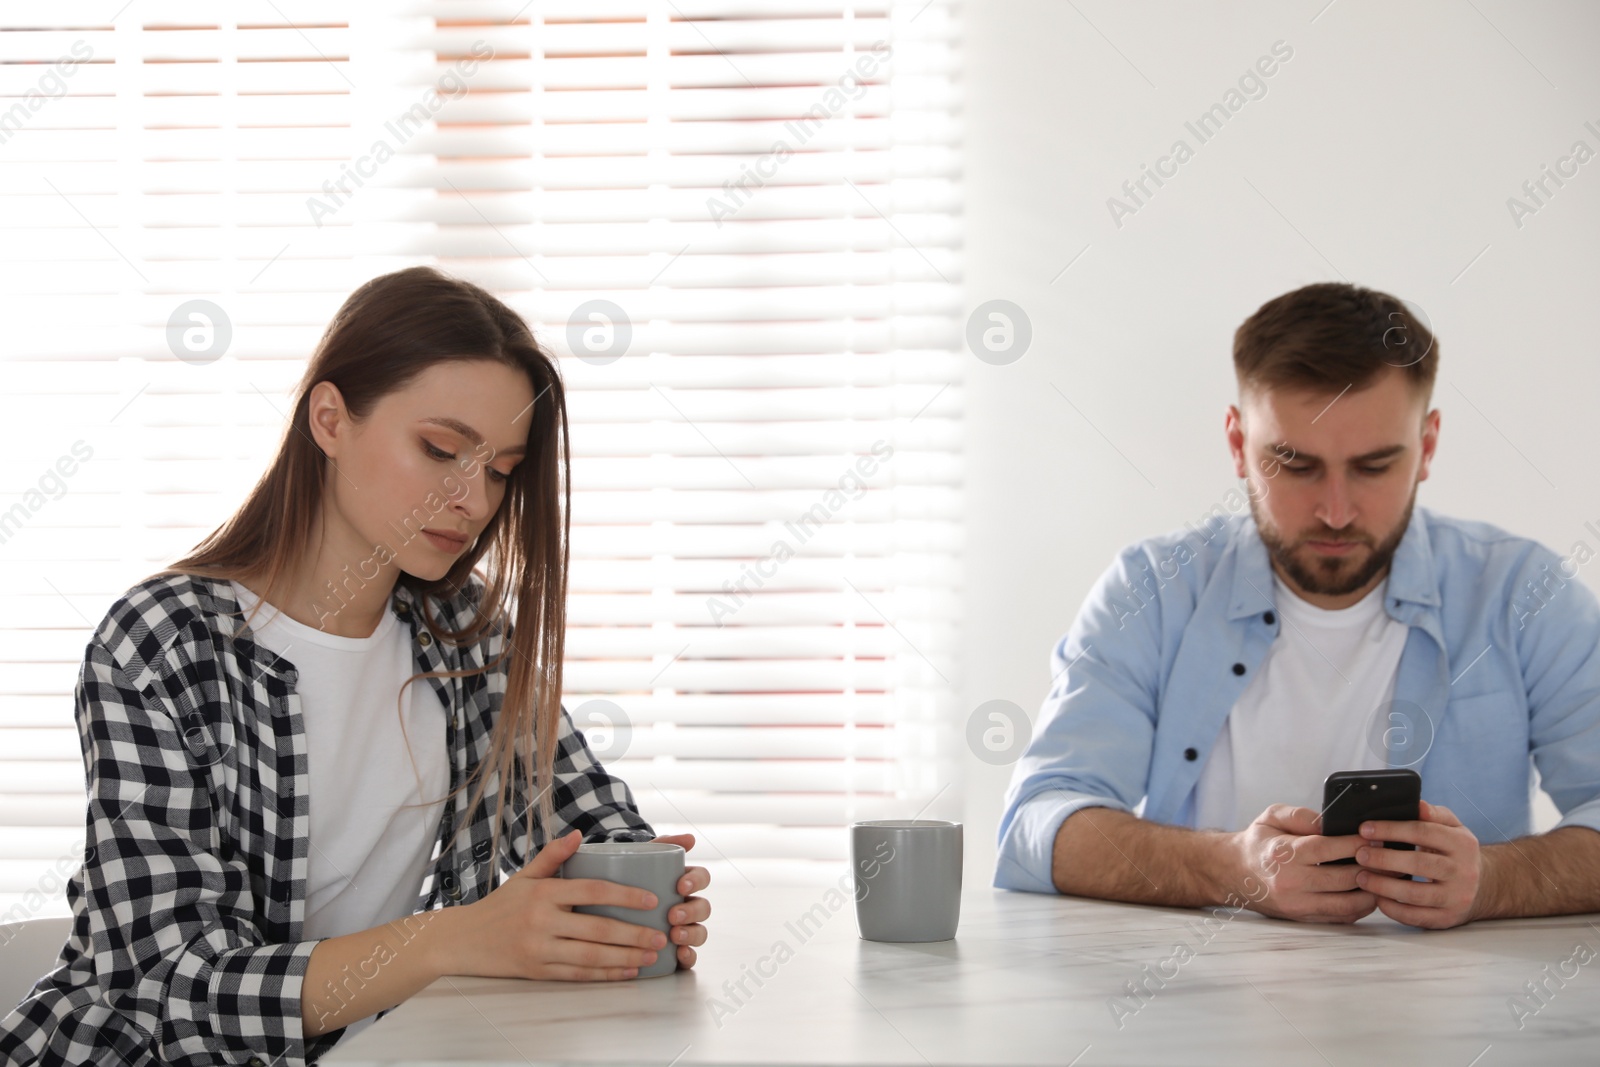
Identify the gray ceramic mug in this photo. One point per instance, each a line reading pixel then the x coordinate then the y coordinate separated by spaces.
pixel 653 865
pixel 908 879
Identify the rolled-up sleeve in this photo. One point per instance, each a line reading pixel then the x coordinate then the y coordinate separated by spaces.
pixel 1559 648
pixel 181 964
pixel 1092 744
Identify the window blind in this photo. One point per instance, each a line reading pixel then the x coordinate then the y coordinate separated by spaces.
pixel 738 226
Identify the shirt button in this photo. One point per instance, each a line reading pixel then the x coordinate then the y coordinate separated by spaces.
pixel 454 892
pixel 1269 618
pixel 424 639
pixel 255 1061
pixel 1191 754
pixel 1238 668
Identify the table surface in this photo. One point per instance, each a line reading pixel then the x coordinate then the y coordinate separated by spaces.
pixel 1037 979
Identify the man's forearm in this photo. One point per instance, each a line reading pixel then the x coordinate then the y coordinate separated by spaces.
pixel 1115 855
pixel 356 975
pixel 1556 873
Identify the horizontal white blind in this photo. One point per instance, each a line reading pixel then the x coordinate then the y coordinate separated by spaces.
pixel 777 331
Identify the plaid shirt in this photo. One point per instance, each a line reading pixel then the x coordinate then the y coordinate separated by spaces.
pixel 186 944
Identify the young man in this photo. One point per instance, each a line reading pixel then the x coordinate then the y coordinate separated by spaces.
pixel 1215 676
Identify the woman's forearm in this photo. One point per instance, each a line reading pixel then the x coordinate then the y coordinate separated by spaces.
pixel 356 975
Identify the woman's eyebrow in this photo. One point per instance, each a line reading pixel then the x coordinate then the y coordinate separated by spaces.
pixel 470 434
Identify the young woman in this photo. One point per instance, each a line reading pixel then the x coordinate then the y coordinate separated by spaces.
pixel 289 824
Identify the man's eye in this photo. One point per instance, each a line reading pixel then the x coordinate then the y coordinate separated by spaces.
pixel 1373 470
pixel 1301 469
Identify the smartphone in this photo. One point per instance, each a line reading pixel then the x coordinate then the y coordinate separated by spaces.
pixel 1350 798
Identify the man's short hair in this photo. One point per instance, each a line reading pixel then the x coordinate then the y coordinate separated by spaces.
pixel 1332 336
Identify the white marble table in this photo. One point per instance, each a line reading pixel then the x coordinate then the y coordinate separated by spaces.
pixel 1035 979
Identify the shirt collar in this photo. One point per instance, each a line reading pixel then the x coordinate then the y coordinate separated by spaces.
pixel 1412 577
pixel 225 613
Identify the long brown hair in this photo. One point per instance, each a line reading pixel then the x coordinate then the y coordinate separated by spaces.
pixel 389 331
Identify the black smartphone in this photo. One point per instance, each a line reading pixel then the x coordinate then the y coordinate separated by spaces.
pixel 1350 798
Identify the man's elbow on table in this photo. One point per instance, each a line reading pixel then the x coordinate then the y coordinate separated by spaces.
pixel 1026 858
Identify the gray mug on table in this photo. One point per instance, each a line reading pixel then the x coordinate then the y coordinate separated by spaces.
pixel 908 879
pixel 653 865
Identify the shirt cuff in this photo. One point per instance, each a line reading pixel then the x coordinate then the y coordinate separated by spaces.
pixel 253 1001
pixel 1027 849
pixel 1586 814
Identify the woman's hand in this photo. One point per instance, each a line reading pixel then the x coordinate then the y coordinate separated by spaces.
pixel 526 928
pixel 686 918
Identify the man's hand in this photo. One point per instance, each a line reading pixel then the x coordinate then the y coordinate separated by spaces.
pixel 1447 855
pixel 1277 857
pixel 686 918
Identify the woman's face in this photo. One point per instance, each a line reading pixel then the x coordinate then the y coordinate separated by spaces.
pixel 419 478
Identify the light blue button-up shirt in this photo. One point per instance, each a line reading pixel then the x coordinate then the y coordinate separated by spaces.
pixel 1500 673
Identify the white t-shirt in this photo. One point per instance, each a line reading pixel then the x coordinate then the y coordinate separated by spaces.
pixel 368 853
pixel 1309 710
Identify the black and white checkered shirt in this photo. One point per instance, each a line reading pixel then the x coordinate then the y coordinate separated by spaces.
pixel 186 944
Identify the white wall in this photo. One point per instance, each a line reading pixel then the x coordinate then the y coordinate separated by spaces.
pixel 1385 149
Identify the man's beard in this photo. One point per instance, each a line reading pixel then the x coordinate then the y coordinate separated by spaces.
pixel 1329 576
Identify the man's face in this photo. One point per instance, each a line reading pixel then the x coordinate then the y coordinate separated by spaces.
pixel 1333 478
